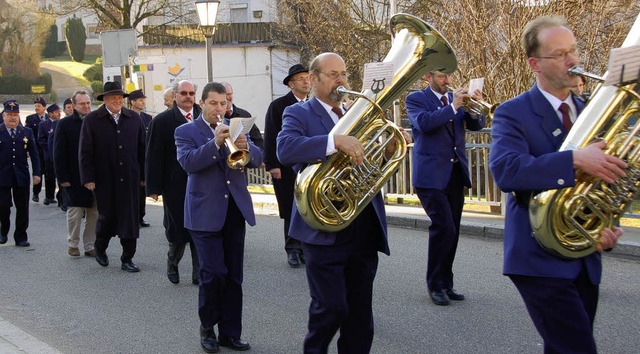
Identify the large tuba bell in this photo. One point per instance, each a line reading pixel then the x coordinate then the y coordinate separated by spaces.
pixel 568 222
pixel 331 194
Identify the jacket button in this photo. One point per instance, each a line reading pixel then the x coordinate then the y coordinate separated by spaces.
pixel 452 160
pixel 226 196
pixel 121 179
pixel 561 182
pixel 228 182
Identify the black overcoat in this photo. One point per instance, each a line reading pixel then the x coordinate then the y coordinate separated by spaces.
pixel 272 126
pixel 66 144
pixel 164 175
pixel 112 156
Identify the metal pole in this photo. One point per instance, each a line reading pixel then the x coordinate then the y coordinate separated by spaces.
pixel 209 57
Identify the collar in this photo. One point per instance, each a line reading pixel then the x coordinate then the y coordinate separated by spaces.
pixel 331 114
pixel 439 95
pixel 184 113
pixel 112 113
pixel 556 102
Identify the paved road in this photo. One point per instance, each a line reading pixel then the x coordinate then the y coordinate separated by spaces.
pixel 76 306
pixel 62 83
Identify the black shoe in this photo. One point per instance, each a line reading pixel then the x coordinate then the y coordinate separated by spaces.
pixel 293 259
pixel 208 340
pixel 129 267
pixel 63 207
pixel 172 272
pixel 453 295
pixel 233 343
pixel 35 198
pixel 439 297
pixel 102 259
pixel 144 223
pixel 3 239
pixel 23 244
pixel 195 281
pixel 301 258
pixel 47 201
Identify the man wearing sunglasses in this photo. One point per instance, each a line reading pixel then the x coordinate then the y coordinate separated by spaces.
pixel 166 177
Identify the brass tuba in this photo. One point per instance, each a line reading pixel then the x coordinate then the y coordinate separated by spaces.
pixel 331 194
pixel 568 221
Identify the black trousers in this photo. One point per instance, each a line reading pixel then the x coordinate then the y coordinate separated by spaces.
pixel 21 202
pixel 49 180
pixel 143 203
pixel 38 187
pixel 128 246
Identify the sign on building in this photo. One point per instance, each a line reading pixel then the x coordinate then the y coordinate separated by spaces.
pixel 118 46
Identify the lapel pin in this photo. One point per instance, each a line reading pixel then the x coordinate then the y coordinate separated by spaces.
pixel 557 132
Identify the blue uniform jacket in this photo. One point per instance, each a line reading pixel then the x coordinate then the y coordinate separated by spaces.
pixel 524 157
pixel 210 180
pixel 303 140
pixel 14 154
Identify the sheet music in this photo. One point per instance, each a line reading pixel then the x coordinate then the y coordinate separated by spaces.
pixel 239 126
pixel 377 76
pixel 476 84
pixel 627 58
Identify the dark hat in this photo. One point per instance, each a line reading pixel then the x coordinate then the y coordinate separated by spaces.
pixel 40 100
pixel 112 88
pixel 11 106
pixel 298 68
pixel 54 107
pixel 134 95
pixel 66 102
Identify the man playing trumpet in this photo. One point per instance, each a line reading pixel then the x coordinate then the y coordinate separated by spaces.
pixel 440 173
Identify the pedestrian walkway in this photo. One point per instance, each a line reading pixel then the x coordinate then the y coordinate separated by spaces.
pixel 13 340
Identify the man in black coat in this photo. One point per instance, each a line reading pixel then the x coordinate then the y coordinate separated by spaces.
pixel 33 121
pixel 44 129
pixel 233 111
pixel 78 200
pixel 112 148
pixel 137 102
pixel 283 177
pixel 17 145
pixel 165 176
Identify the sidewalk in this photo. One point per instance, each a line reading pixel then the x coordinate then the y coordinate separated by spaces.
pixel 477 224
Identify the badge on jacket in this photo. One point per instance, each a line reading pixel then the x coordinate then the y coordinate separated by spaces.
pixel 26 141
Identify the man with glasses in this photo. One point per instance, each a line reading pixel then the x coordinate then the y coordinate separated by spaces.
pixel 233 111
pixel 282 176
pixel 561 294
pixel 165 176
pixel 79 200
pixel 341 266
pixel 440 173
pixel 17 146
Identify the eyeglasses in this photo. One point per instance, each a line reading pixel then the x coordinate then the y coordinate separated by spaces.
pixel 301 79
pixel 562 56
pixel 189 93
pixel 334 75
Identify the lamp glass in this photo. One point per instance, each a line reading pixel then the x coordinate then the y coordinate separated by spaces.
pixel 207 11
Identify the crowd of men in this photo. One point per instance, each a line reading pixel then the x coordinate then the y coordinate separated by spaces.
pixel 107 161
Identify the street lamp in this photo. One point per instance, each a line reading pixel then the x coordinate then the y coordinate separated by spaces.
pixel 207 13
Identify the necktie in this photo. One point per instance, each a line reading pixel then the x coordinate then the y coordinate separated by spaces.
pixel 188 116
pixel 566 120
pixel 42 119
pixel 228 114
pixel 115 117
pixel 445 100
pixel 13 133
pixel 337 111
pixel 213 125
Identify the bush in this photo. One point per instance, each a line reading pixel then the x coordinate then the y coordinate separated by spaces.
pixel 50 49
pixel 18 85
pixel 76 38
pixel 93 73
pixel 97 88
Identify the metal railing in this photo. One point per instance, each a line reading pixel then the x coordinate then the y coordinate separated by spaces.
pixel 226 33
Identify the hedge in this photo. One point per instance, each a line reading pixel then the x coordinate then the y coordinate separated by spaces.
pixel 14 84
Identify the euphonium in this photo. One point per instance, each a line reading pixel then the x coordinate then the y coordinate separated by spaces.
pixel 331 194
pixel 237 158
pixel 568 222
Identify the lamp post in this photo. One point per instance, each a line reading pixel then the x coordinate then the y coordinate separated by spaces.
pixel 207 13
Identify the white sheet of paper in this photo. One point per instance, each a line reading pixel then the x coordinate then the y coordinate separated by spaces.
pixel 630 58
pixel 239 126
pixel 377 75
pixel 476 84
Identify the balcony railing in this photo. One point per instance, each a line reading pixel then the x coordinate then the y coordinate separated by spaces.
pixel 226 33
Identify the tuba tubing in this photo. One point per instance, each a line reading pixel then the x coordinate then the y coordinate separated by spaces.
pixel 331 194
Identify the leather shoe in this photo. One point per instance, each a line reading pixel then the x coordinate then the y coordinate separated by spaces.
pixel 23 244
pixel 172 272
pixel 294 260
pixel 46 201
pixel 195 281
pixel 74 252
pixel 233 343
pixel 3 239
pixel 35 198
pixel 144 223
pixel 91 253
pixel 63 207
pixel 102 259
pixel 453 295
pixel 439 298
pixel 208 340
pixel 129 267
